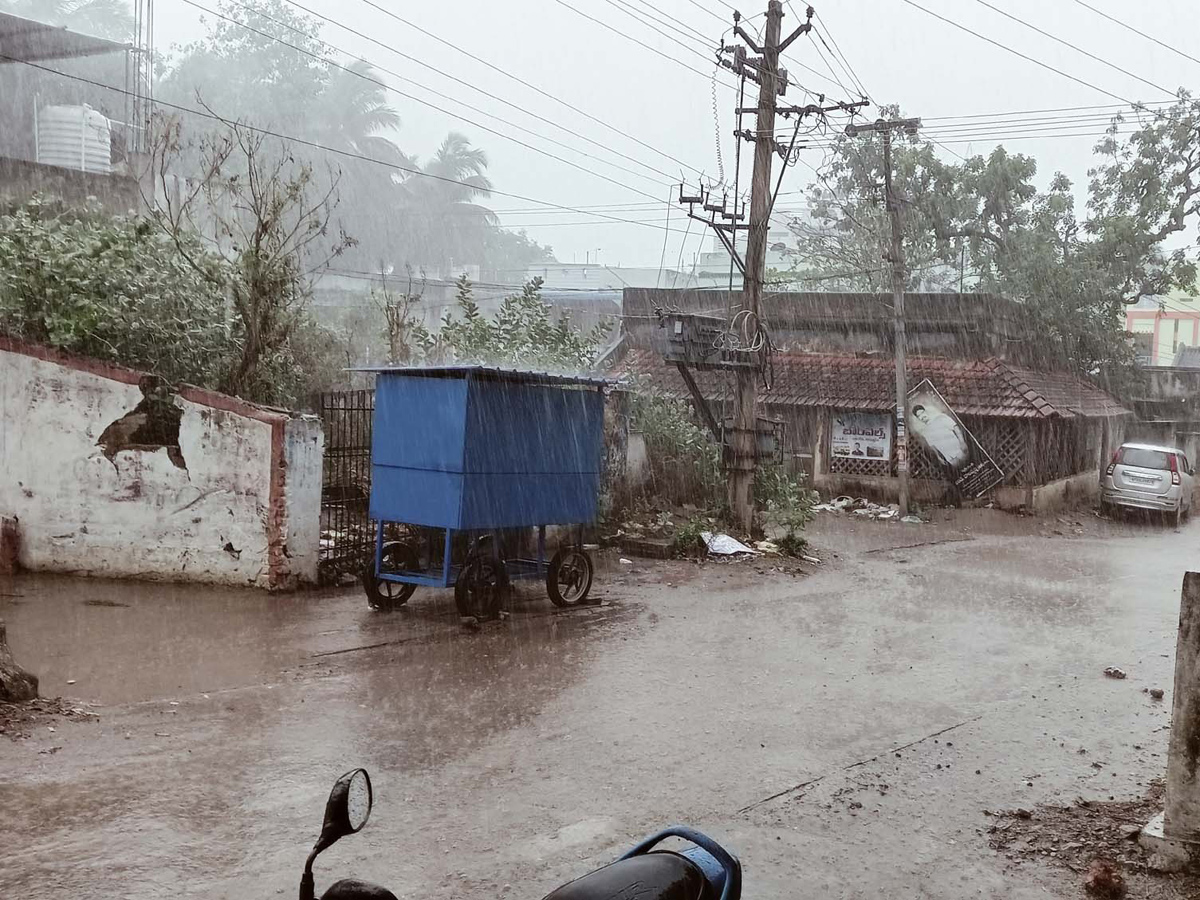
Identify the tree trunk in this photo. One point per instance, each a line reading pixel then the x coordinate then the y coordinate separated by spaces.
pixel 16 685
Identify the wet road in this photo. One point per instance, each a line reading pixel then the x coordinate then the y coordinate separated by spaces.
pixel 510 760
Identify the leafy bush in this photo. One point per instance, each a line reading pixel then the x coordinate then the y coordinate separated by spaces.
pixel 117 288
pixel 114 288
pixel 687 540
pixel 787 502
pixel 523 332
pixel 685 461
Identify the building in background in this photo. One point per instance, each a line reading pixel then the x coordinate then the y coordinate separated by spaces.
pixel 1162 327
pixel 62 137
pixel 1050 431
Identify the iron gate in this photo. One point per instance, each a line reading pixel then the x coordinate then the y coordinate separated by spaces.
pixel 347 539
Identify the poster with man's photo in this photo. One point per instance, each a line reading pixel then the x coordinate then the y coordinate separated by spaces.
pixel 940 431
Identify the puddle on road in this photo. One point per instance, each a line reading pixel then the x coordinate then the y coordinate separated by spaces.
pixel 227 789
pixel 113 642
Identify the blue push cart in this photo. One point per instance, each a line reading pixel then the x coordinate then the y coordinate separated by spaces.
pixel 465 460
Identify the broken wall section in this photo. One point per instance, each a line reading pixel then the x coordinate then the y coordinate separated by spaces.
pixel 110 472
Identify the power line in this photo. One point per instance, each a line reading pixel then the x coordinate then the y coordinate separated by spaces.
pixel 821 56
pixel 433 106
pixel 507 74
pixel 705 9
pixel 1036 62
pixel 470 85
pixel 1055 109
pixel 857 87
pixel 1066 43
pixel 685 29
pixel 1020 137
pixel 640 43
pixel 845 61
pixel 1126 25
pixel 303 142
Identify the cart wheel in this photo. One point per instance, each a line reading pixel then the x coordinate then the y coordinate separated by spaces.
pixel 390 595
pixel 480 588
pixel 569 577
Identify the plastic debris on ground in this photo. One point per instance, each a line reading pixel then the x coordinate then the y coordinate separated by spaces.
pixel 860 506
pixel 766 546
pixel 724 545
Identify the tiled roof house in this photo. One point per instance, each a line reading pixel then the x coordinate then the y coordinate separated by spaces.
pixel 1050 431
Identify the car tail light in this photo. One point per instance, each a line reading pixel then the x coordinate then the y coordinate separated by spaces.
pixel 1112 465
pixel 1174 460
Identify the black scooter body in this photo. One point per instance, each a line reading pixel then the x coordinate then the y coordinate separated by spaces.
pixel 702 871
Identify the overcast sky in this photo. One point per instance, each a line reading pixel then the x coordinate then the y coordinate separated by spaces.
pixel 902 55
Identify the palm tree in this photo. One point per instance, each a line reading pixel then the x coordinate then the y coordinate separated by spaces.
pixel 352 112
pixel 445 223
pixel 352 115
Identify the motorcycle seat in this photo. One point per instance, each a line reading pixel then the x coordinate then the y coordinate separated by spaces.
pixel 662 875
pixel 353 889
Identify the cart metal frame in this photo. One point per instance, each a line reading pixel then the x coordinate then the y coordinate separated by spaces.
pixel 488 463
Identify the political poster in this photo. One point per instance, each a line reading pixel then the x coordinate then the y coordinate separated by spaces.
pixel 861 435
pixel 938 429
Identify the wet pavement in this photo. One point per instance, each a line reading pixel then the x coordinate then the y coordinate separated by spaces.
pixel 842 730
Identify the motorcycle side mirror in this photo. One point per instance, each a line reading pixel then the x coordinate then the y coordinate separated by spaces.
pixel 346 812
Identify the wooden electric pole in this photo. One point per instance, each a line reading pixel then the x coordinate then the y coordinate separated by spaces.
pixel 896 257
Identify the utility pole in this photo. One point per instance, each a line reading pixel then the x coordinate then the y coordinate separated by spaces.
pixel 748 358
pixel 896 257
pixel 744 441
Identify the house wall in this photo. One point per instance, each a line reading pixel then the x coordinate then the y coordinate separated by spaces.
pixel 238 504
pixel 1170 329
pixel 21 178
pixel 1060 468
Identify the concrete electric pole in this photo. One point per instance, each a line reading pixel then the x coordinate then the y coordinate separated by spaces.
pixel 896 257
pixel 744 440
pixel 748 356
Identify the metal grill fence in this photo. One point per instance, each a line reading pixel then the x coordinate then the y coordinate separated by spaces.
pixel 347 538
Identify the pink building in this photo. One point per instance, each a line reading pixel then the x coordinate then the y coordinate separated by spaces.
pixel 1159 332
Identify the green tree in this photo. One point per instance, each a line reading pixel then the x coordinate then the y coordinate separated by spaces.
pixel 1075 273
pixel 262 213
pixel 244 69
pixel 523 332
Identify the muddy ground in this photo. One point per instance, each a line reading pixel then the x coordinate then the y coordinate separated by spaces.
pixel 851 732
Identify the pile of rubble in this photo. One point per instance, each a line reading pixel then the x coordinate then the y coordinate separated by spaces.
pixel 861 506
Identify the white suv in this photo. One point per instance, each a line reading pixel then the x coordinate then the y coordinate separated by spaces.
pixel 1145 476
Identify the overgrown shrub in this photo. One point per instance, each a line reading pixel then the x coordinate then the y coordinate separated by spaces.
pixel 111 287
pixel 787 503
pixel 687 540
pixel 117 288
pixel 523 332
pixel 685 461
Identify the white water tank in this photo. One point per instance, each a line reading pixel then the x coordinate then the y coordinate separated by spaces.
pixel 74 137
